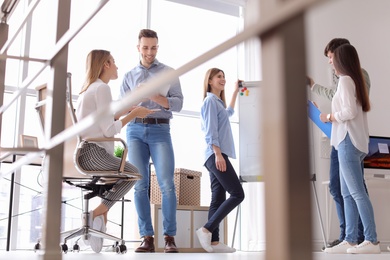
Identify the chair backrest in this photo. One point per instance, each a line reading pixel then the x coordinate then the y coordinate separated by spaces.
pixel 70 145
pixel 69 102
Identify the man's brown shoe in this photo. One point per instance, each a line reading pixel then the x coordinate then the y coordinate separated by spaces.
pixel 170 246
pixel 147 245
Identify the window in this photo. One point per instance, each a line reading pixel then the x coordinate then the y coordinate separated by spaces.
pixel 115 28
pixel 188 33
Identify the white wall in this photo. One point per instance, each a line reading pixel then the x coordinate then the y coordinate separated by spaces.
pixel 365 24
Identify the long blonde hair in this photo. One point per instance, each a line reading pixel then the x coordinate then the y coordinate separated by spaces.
pixel 94 66
pixel 206 86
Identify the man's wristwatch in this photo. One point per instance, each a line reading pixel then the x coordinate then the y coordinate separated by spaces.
pixel 328 117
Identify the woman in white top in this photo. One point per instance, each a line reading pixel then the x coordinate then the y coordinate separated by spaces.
pixel 96 94
pixel 350 136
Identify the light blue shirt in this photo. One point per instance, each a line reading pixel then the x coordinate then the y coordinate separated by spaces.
pixel 140 74
pixel 216 126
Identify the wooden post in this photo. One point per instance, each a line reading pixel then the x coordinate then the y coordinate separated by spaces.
pixel 285 135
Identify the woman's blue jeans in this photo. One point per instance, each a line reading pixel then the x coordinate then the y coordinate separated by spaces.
pixel 154 141
pixel 335 191
pixel 356 200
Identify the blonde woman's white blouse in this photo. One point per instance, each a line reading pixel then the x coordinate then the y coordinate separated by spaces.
pixel 98 96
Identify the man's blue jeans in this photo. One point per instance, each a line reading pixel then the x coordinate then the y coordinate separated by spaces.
pixel 335 191
pixel 147 141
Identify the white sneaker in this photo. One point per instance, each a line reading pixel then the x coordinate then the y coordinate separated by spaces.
pixel 366 247
pixel 205 240
pixel 388 248
pixel 97 242
pixel 339 249
pixel 222 248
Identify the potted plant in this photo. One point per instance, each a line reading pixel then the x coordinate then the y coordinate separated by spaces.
pixel 118 151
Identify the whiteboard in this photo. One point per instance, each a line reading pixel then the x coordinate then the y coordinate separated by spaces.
pixel 249 132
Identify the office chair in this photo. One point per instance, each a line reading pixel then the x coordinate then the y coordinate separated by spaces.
pixel 93 183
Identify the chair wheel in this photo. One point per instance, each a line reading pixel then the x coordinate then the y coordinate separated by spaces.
pixel 64 248
pixel 121 249
pixel 76 248
pixel 37 247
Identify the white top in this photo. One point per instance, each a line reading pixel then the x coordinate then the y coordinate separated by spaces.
pixel 98 95
pixel 349 116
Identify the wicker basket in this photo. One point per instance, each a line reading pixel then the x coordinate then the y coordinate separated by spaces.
pixel 187 184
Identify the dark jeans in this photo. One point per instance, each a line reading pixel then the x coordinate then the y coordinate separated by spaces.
pixel 222 182
pixel 335 191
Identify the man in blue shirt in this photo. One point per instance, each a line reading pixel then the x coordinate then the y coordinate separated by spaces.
pixel 150 137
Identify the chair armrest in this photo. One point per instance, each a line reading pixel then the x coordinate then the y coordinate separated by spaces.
pixel 123 161
pixel 106 139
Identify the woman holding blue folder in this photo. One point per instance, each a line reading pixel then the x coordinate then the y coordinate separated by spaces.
pixel 350 137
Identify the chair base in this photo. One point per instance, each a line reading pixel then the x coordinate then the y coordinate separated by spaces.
pixel 85 233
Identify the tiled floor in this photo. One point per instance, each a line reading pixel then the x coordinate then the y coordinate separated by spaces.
pixel 89 255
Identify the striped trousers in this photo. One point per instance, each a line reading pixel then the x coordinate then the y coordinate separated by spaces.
pixel 92 157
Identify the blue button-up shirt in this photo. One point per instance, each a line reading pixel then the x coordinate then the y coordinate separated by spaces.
pixel 216 126
pixel 140 74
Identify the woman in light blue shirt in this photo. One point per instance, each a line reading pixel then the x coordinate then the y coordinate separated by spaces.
pixel 350 136
pixel 220 146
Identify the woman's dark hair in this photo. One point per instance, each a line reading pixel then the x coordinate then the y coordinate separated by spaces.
pixel 334 44
pixel 346 62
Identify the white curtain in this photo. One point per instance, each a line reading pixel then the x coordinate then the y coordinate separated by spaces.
pixel 252 208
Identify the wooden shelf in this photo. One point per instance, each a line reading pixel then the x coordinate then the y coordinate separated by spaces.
pixel 188 218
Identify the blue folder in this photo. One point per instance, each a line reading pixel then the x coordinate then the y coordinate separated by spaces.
pixel 314 115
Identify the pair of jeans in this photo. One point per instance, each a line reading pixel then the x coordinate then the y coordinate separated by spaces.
pixel 356 200
pixel 222 182
pixel 153 141
pixel 335 191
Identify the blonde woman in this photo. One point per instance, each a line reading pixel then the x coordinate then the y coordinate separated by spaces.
pixel 219 147
pixel 95 94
